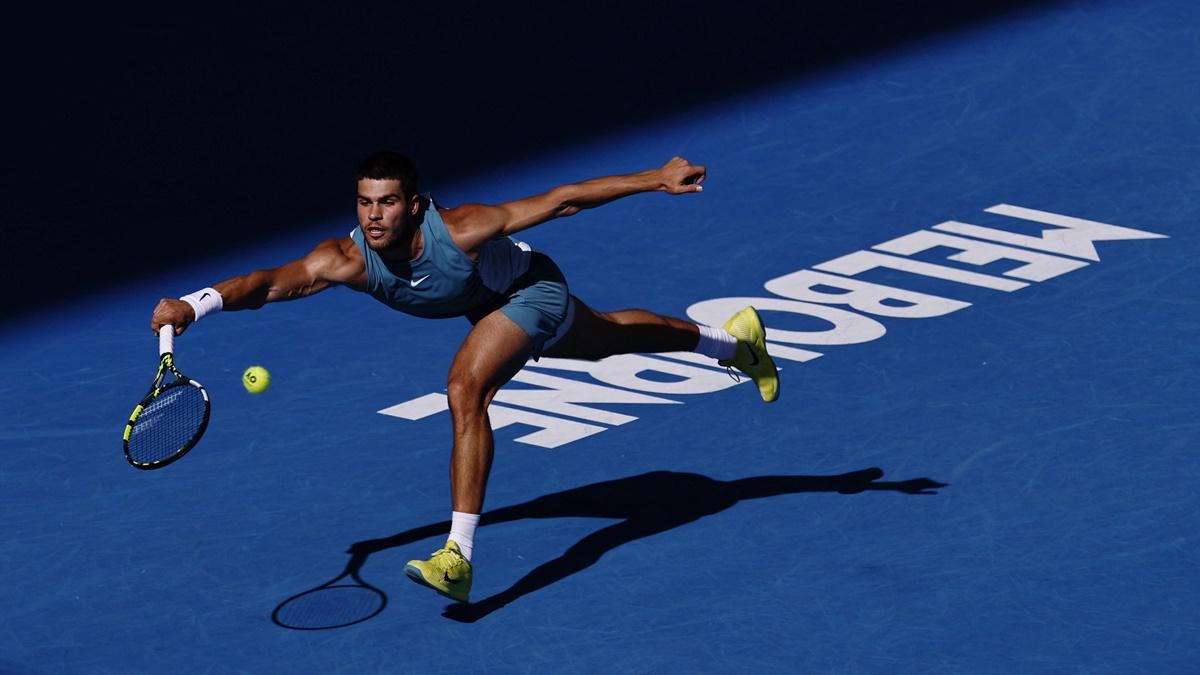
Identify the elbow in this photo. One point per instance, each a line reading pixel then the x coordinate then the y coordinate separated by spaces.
pixel 567 201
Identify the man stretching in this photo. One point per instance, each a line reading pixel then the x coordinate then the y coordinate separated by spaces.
pixel 422 259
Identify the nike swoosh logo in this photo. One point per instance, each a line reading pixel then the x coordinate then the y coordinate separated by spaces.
pixel 753 356
pixel 205 296
pixel 446 578
pixel 415 282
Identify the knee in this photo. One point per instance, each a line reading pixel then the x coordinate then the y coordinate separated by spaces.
pixel 466 394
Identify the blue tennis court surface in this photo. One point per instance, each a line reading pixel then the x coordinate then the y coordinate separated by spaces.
pixel 996 475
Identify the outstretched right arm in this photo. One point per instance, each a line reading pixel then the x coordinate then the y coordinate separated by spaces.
pixel 332 262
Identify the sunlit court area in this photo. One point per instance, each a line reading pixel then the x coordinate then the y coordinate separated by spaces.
pixel 969 230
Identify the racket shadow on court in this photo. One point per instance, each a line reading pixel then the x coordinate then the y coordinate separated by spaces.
pixel 646 504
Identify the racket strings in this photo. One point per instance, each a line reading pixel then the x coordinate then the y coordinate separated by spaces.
pixel 168 424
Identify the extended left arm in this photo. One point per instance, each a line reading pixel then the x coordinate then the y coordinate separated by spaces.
pixel 476 223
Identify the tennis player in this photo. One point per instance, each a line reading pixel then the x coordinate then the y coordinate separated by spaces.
pixel 420 258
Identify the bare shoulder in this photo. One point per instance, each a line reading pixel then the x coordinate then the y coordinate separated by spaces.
pixel 339 261
pixel 469 217
pixel 470 225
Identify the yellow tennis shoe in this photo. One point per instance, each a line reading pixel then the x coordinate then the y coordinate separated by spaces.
pixel 446 572
pixel 752 358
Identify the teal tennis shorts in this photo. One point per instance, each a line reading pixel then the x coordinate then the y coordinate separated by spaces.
pixel 538 301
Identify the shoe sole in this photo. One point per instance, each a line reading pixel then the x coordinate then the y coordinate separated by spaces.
pixel 418 578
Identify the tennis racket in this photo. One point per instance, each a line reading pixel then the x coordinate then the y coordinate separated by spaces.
pixel 171 418
pixel 333 604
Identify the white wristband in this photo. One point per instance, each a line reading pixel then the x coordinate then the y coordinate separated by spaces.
pixel 204 302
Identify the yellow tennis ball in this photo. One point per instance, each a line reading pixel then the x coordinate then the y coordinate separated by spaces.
pixel 256 379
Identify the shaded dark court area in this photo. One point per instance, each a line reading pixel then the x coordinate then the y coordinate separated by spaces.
pixel 142 135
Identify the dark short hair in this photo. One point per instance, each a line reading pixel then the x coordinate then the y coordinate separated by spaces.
pixel 388 165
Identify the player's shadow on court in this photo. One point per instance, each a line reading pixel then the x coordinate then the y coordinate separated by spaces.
pixel 646 504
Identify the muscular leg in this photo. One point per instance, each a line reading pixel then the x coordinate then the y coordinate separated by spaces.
pixel 595 335
pixel 495 349
pixel 493 352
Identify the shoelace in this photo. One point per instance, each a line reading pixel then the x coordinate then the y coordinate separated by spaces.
pixel 440 556
pixel 733 374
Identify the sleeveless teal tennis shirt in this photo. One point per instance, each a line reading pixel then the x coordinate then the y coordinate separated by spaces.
pixel 442 281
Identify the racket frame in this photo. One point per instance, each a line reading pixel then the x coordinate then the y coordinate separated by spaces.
pixel 166 363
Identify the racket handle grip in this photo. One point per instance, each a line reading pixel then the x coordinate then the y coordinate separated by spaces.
pixel 166 339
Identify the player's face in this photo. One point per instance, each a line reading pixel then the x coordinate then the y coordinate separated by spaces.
pixel 383 212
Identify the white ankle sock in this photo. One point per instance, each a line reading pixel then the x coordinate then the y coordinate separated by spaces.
pixel 462 531
pixel 716 342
